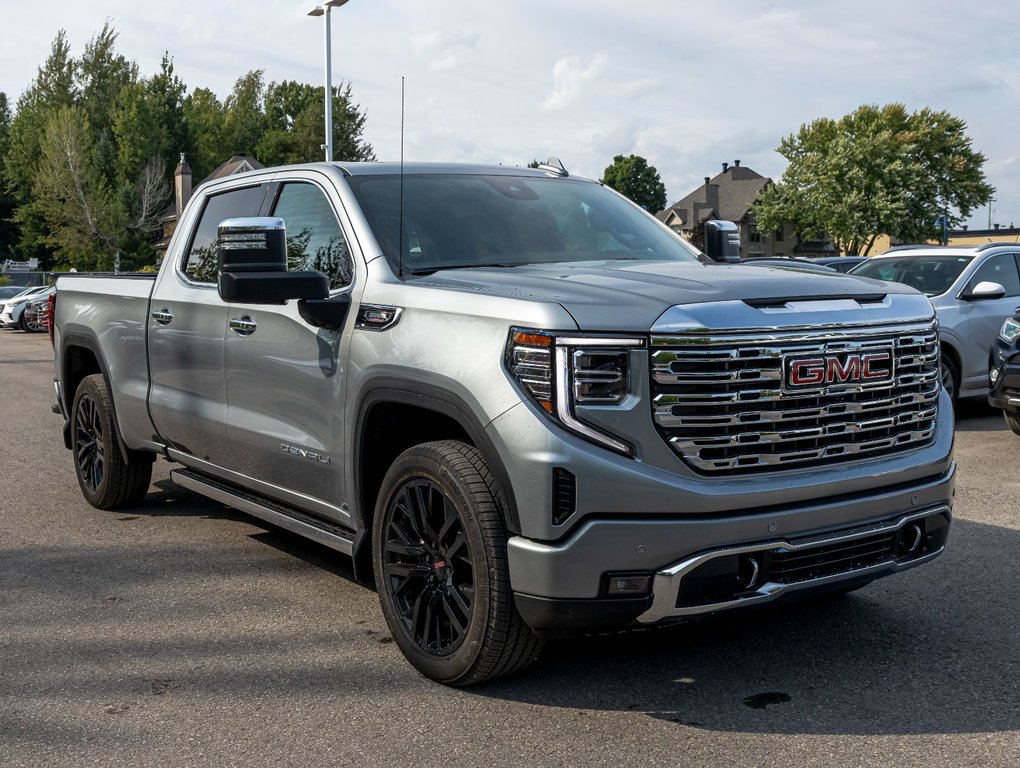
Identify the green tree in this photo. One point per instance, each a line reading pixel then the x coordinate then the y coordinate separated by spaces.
pixel 878 170
pixel 203 117
pixel 8 233
pixel 294 125
pixel 634 178
pixel 52 88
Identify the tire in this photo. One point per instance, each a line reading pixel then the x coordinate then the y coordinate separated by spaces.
pixel 1012 421
pixel 31 326
pixel 23 320
pixel 107 481
pixel 950 375
pixel 439 554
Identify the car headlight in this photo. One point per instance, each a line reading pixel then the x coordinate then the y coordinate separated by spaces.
pixel 561 371
pixel 1010 330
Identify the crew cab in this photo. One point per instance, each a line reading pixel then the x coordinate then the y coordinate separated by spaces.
pixel 522 405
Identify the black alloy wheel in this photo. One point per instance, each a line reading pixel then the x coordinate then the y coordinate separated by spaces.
pixel 439 555
pixel 89 448
pixel 108 478
pixel 428 566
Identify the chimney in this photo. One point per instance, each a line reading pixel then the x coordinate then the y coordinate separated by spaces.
pixel 964 227
pixel 736 163
pixel 996 226
pixel 707 179
pixel 725 167
pixel 182 185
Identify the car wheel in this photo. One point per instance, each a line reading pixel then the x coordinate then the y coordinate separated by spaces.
pixel 1012 421
pixel 23 320
pixel 439 552
pixel 31 324
pixel 950 375
pixel 107 481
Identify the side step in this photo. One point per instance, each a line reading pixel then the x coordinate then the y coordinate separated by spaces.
pixel 326 533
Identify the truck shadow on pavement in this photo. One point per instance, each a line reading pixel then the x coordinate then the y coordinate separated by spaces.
pixel 935 650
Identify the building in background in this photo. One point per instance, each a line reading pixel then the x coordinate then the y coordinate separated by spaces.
pixel 729 196
pixel 240 163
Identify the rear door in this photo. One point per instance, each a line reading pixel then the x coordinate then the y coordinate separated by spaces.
pixel 284 377
pixel 186 329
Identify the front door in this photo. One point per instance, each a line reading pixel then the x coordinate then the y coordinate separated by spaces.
pixel 284 377
pixel 984 317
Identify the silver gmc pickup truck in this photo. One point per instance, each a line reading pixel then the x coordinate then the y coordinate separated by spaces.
pixel 522 405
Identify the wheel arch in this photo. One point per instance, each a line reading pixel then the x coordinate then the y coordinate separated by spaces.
pixel 80 356
pixel 433 414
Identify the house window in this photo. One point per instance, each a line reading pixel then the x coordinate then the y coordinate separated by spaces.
pixel 753 235
pixel 779 235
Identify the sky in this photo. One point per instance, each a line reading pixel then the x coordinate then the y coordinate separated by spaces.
pixel 686 85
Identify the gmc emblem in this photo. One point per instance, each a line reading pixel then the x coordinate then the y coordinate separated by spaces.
pixel 871 367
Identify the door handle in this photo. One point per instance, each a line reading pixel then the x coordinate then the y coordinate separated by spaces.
pixel 162 316
pixel 243 326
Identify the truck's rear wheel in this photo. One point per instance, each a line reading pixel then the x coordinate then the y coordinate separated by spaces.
pixel 440 561
pixel 107 481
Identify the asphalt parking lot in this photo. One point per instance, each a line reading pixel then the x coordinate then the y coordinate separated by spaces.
pixel 181 633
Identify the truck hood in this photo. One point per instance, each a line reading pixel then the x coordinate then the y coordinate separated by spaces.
pixel 631 295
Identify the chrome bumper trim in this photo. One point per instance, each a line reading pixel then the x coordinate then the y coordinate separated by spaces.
pixel 666 584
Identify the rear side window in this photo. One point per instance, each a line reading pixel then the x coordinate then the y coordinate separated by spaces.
pixel 1001 269
pixel 314 238
pixel 200 266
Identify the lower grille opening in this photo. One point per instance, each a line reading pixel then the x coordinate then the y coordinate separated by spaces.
pixel 564 495
pixel 731 577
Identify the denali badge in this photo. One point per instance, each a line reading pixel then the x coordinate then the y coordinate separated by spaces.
pixel 872 367
pixel 304 453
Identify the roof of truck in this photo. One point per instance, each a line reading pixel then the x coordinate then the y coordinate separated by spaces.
pixel 394 167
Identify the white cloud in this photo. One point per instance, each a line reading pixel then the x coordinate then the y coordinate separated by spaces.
pixel 569 78
pixel 446 50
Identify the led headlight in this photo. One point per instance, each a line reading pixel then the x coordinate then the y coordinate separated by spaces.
pixel 559 372
pixel 1010 330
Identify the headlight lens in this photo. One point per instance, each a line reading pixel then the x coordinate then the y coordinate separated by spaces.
pixel 1010 330
pixel 561 371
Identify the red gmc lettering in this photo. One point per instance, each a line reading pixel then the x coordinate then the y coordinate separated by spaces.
pixel 848 371
pixel 810 371
pixel 867 372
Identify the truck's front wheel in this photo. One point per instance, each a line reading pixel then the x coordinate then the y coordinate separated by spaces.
pixel 440 562
pixel 107 481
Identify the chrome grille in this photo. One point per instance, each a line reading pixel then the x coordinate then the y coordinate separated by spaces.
pixel 718 399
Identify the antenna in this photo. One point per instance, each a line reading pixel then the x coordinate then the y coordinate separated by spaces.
pixel 400 251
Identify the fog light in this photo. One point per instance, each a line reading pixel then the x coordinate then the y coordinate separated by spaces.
pixel 993 375
pixel 628 583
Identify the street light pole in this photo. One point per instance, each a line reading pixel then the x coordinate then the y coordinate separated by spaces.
pixel 323 10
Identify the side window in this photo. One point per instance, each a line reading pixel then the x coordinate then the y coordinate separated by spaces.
pixel 314 238
pixel 1001 269
pixel 200 266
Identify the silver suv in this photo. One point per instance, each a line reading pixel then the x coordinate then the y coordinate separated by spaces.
pixel 973 290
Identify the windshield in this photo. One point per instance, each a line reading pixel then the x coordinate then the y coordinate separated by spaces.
pixel 457 221
pixel 931 275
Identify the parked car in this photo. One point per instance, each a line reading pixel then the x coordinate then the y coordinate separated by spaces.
pixel 973 289
pixel 11 311
pixel 35 316
pixel 1004 372
pixel 804 264
pixel 840 263
pixel 10 291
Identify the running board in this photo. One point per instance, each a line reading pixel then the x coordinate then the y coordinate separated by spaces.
pixel 332 536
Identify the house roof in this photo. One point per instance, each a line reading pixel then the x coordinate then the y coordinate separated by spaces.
pixel 239 163
pixel 734 191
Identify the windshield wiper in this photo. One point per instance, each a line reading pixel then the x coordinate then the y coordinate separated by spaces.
pixel 440 267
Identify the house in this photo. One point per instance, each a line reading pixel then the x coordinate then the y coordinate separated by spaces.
pixel 729 196
pixel 239 163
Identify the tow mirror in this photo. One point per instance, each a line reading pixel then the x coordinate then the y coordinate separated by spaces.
pixel 722 241
pixel 252 257
pixel 986 289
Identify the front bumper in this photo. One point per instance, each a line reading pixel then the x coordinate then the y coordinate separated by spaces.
pixel 1004 393
pixel 562 587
